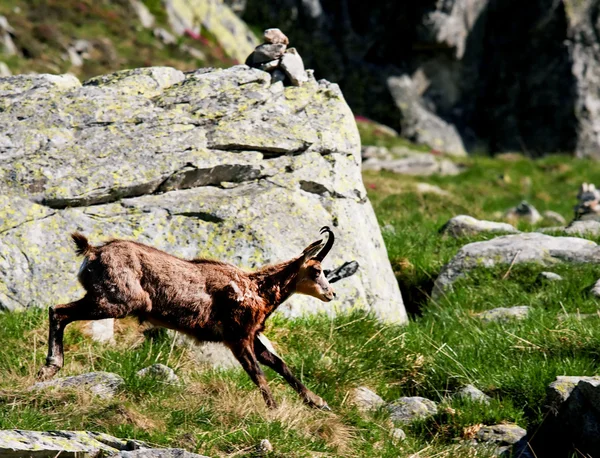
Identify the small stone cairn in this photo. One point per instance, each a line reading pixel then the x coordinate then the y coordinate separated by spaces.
pixel 273 56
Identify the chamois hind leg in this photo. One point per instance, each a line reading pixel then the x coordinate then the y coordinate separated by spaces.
pixel 61 315
pixel 269 359
pixel 244 353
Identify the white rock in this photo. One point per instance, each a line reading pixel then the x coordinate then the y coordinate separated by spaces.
pixel 464 225
pixel 518 312
pixel 143 13
pixel 159 371
pixel 292 65
pixel 102 330
pixel 365 399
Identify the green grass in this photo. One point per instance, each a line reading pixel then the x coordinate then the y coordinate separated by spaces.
pixel 445 345
pixel 44 30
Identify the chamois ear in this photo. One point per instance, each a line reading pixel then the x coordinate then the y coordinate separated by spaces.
pixel 311 250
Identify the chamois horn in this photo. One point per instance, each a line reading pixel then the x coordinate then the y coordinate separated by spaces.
pixel 330 239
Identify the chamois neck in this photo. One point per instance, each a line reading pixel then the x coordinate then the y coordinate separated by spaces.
pixel 278 282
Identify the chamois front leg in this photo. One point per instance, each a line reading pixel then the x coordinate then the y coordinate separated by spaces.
pixel 273 361
pixel 244 353
pixel 58 317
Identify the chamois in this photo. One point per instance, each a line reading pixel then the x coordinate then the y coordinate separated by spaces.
pixel 209 300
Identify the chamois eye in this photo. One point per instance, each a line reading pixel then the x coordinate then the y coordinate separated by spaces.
pixel 315 272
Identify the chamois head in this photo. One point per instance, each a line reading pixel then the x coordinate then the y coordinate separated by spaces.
pixel 311 279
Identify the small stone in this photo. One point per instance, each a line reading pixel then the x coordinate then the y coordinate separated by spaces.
pixel 473 394
pixel 524 211
pixel 501 434
pixel 583 228
pixel 269 66
pixel 102 331
pixel 407 409
pixel 164 36
pixel 596 289
pixel 550 276
pixel 292 65
pixel 265 53
pixel 275 36
pixel 554 217
pixel 4 70
pixel 465 225
pixel 159 371
pixel 143 13
pixel 263 447
pixel 519 312
pixel 365 399
pixel 102 384
pixel 426 188
pixel 398 435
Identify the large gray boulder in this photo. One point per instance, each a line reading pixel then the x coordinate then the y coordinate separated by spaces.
pixel 214 163
pixel 516 249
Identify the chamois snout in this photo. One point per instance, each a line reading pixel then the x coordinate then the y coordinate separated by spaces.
pixel 312 280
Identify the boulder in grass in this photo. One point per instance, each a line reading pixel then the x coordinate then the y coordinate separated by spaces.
pixel 407 409
pixel 464 225
pixel 101 384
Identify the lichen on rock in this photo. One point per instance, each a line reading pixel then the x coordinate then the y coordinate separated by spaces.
pixel 222 164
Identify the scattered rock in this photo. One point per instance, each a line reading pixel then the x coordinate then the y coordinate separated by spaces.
pixel 525 212
pixel 164 36
pixel 269 67
pixel 143 13
pixel 398 435
pixel 561 388
pixel 583 228
pixel 518 312
pixel 419 124
pixel 193 52
pixel 102 384
pixel 6 38
pixel 554 217
pixel 263 447
pixel 406 162
pixel 4 70
pixel 102 330
pixel 293 67
pixel 573 419
pixel 365 399
pixel 473 394
pixel 15 443
pixel 275 36
pixel 159 371
pixel 516 249
pixel 549 276
pixel 464 225
pixel 426 188
pixel 503 434
pixel 596 289
pixel 233 34
pixel 407 409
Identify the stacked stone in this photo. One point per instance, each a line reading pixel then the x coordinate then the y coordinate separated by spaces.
pixel 273 56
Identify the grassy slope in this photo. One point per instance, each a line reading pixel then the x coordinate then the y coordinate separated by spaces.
pixel 45 28
pixel 444 346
